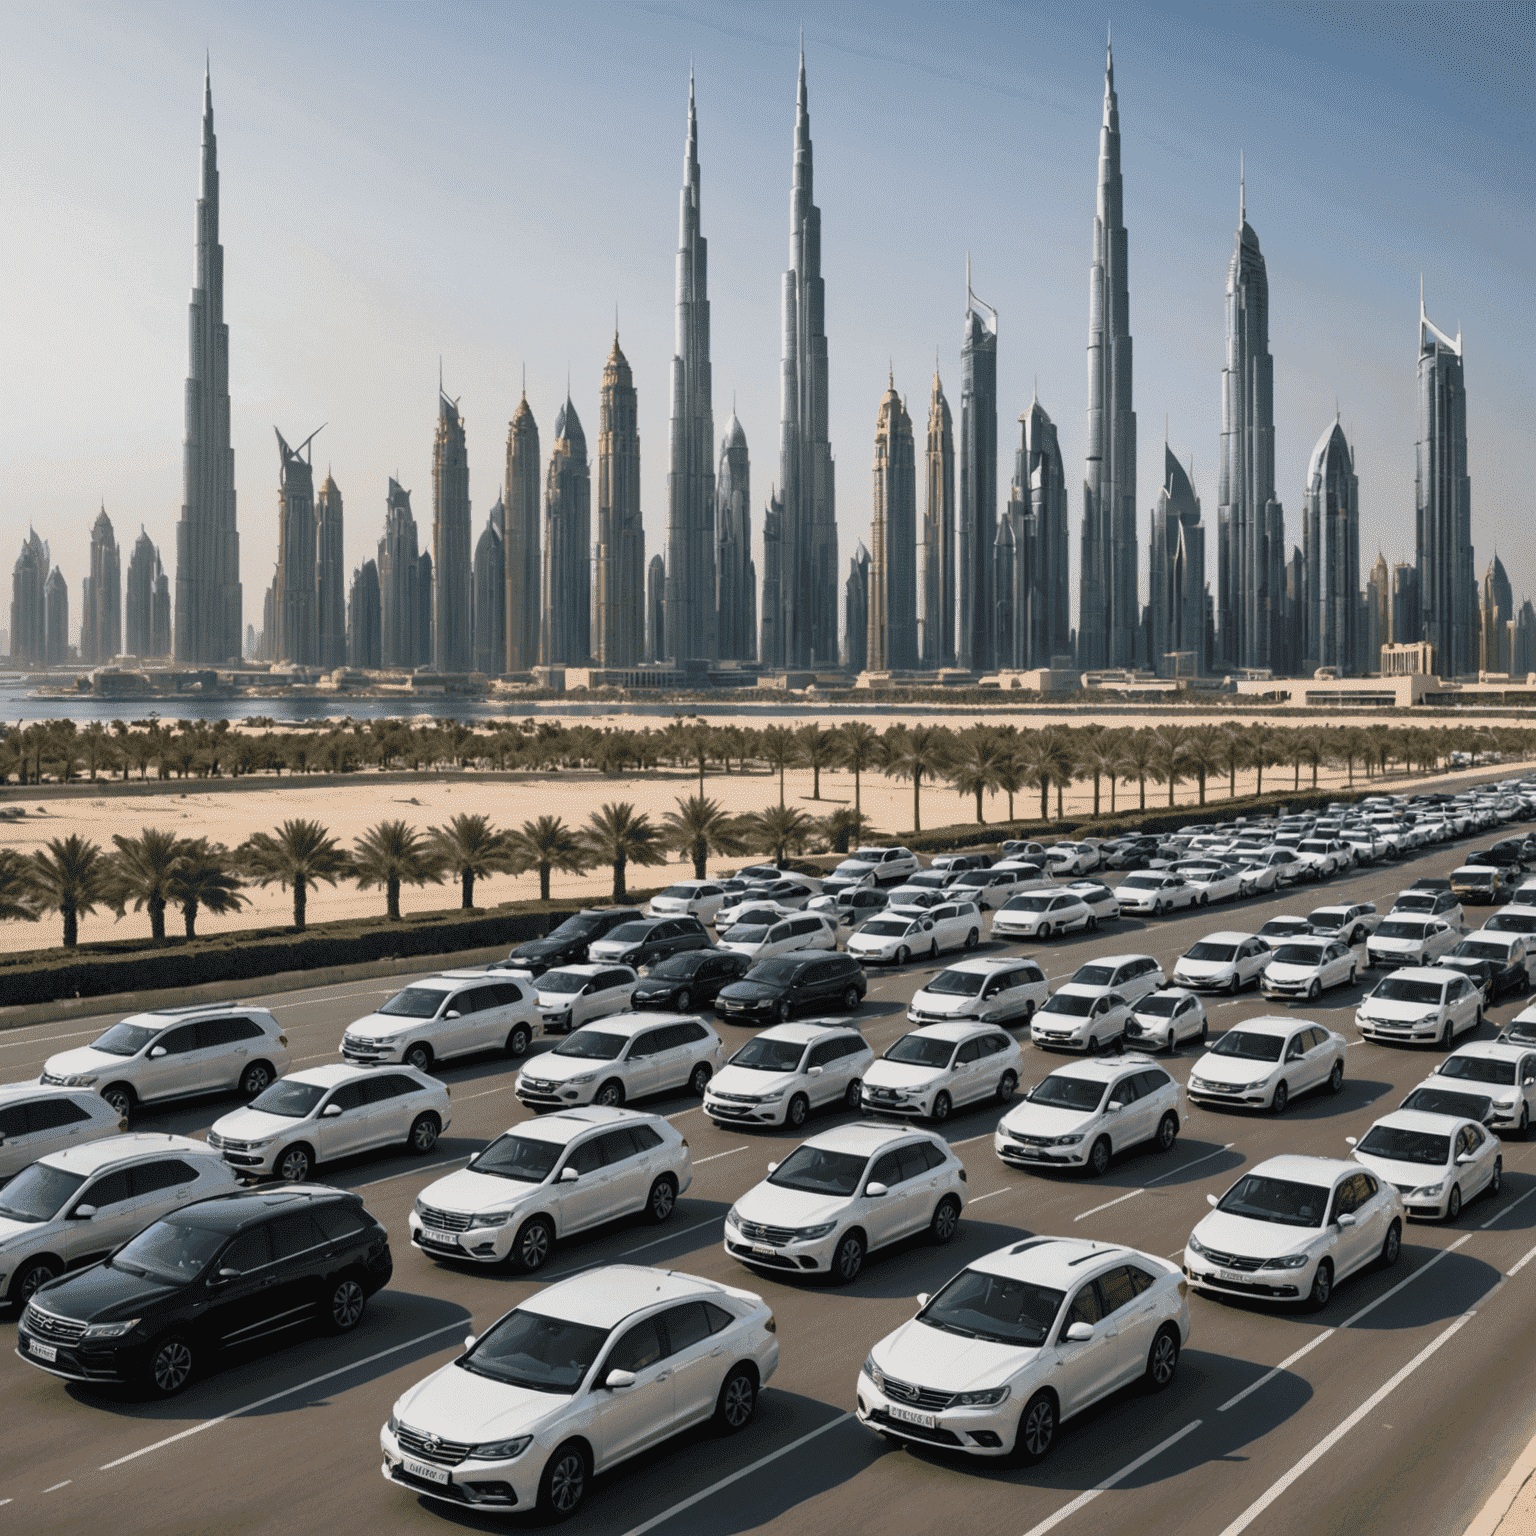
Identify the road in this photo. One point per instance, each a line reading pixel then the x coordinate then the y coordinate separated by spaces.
pixel 1396 1409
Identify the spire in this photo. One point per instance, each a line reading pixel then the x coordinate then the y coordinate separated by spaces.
pixel 1242 189
pixel 691 148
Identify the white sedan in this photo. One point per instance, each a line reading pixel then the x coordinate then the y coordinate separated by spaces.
pixel 780 1075
pixel 1222 962
pixel 1072 858
pixel 695 898
pixel 1306 968
pixel 1420 1004
pixel 1081 1019
pixel 1265 1063
pixel 1097 897
pixel 1215 881
pixel 1166 1019
pixel 1039 914
pixel 1436 1162
pixel 1411 941
pixel 1156 892
pixel 894 936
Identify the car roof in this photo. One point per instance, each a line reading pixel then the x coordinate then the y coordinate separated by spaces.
pixel 1491 1050
pixel 1435 973
pixel 1115 960
pixel 1169 991
pixel 1270 1025
pixel 1058 1262
pixel 231 1212
pixel 1303 1167
pixel 97 1155
pixel 961 1029
pixel 30 1091
pixel 603 1298
pixel 864 1137
pixel 633 1023
pixel 159 1018
pixel 582 968
pixel 566 1125
pixel 1226 936
pixel 1085 989
pixel 337 1072
pixel 810 1029
pixel 1419 1120
pixel 984 965
pixel 1103 1069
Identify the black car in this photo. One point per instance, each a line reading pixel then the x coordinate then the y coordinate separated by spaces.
pixel 1505 856
pixel 567 944
pixel 213 1278
pixel 1498 965
pixel 795 983
pixel 649 939
pixel 1431 883
pixel 689 980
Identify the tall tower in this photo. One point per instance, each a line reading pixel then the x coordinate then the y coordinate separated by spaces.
pixel 364 619
pixel 453 641
pixel 400 602
pixel 56 619
pixel 139 604
pixel 620 598
pixel 297 636
pixel 520 503
pixel 736 579
pixel 1498 612
pixel 490 594
pixel 331 577
pixel 29 601
pixel 936 550
pixel 101 617
pixel 975 648
pixel 1330 542
pixel 856 611
pixel 1039 599
pixel 208 600
pixel 566 640
pixel 1176 574
pixel 892 643
pixel 656 609
pixel 1108 608
pixel 1443 503
pixel 804 629
pixel 690 600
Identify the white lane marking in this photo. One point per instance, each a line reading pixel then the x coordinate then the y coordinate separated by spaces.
pixel 303 1386
pixel 599 1263
pixel 65 1484
pixel 1119 1200
pixel 1521 1265
pixel 985 1136
pixel 338 997
pixel 735 1477
pixel 1331 1439
pixel 405 1173
pixel 320 1056
pixel 697 1109
pixel 1109 1482
pixel 1185 1167
pixel 1499 1215
pixel 485 1093
pixel 713 1155
pixel 79 1034
pixel 1284 1365
pixel 1003 1191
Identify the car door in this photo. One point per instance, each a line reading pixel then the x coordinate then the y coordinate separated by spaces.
pixel 1126 1290
pixel 641 1065
pixel 299 1249
pixel 629 1171
pixel 20 1143
pixel 965 1073
pixel 699 1355
pixel 1482 1148
pixel 1087 1367
pixel 588 1198
pixel 85 1239
pixel 674 1056
pixel 1124 1123
pixel 243 1294
pixel 223 1048
pixel 173 1065
pixel 348 1130
pixel 630 1418
pixel 827 1073
pixel 390 1101
pixel 453 1033
pixel 1525 1077
pixel 883 1217
pixel 1352 1244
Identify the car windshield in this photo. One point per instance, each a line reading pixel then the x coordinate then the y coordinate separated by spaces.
pixel 778 971
pixel 580 925
pixel 996 1308
pixel 980 877
pixel 1405 1146
pixel 1479 949
pixel 749 933
pixel 592 1045
pixel 1476 877
pixel 1071 1003
pixel 518 1157
pixel 124 1040
pixel 1395 929
pixel 170 1250
pixel 1469 1069
pixel 921 1051
pixel 527 1349
pixel 765 1055
pixel 681 892
pixel 293 1100
pixel 38 1193
pixel 758 915
pixel 1326 920
pixel 1248 1046
pixel 854 867
pixel 414 1003
pixel 1028 904
pixel 679 967
pixel 1512 922
pixel 1403 989
pixel 1143 882
pixel 630 933
pixel 1059 1092
pixel 563 982
pixel 888 927
pixel 956 983
pixel 1278 1200
pixel 1445 1101
pixel 1205 950
pixel 1280 927
pixel 1160 1005
pixel 1299 954
pixel 1093 976
pixel 1422 903
pixel 819 1171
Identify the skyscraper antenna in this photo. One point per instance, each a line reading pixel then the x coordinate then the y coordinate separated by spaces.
pixel 1242 188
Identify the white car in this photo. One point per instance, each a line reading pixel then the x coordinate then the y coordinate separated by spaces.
pixel 541 1181
pixel 72 1208
pixel 1277 930
pixel 1353 922
pixel 852 907
pixel 1292 1227
pixel 1098 898
pixel 1503 1070
pixel 1072 858
pixel 1328 855
pixel 322 1113
pixel 843 1194
pixel 1040 914
pixel 574 995
pixel 1157 891
pixel 1265 1063
pixel 1435 1162
pixel 1515 918
pixel 800 930
pixel 1306 968
pixel 450 1014
pixel 931 1071
pixel 1222 962
pixel 1430 903
pixel 1078 1018
pixel 694 898
pixel 1023 1338
pixel 35 1121
pixel 1258 875
pixel 174 1053
pixel 1086 1112
pixel 1420 1005
pixel 1289 866
pixel 1166 1019
pixel 628 1056
pixel 889 866
pixel 991 888
pixel 752 911
pixel 780 1075
pixel 991 989
pixel 893 937
pixel 1214 881
pixel 1132 976
pixel 580 1377
pixel 1412 941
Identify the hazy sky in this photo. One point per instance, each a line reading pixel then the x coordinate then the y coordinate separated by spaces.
pixel 486 182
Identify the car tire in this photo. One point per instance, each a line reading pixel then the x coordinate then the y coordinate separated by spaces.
pixel 419 1055
pixel 972 939
pixel 698 1079
pixel 294 1164
pixel 121 1098
pixel 1447 1035
pixel 532 1246
pixel 1322 1287
pixel 1496 1183
pixel 610 1095
pixel 1280 1098
pixel 344 1307
pixel 1235 985
pixel 737 1401
pixel 903 955
pixel 1092 925
pixel 684 1000
pixel 1523 1130
pixel 424 1134
pixel 1007 1086
pixel 933 951
pixel 662 1200
pixel 563 1485
pixel 1098 1158
pixel 1314 991
pixel 255 1080
pixel 1391 1246
pixel 945 1222
pixel 518 1041
pixel 1162 1358
pixel 783 1012
pixel 848 1259
pixel 1157 909
pixel 1205 1031
pixel 170 1365
pixel 851 1000
pixel 1453 1203
pixel 942 1104
pixel 1353 973
pixel 1036 1433
pixel 1167 1132
pixel 29 1277
pixel 1205 898
pixel 853 1099
pixel 797 1112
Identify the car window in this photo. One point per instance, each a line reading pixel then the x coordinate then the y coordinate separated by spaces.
pixel 165 1173
pixel 13 1120
pixel 506 993
pixel 968 1052
pixel 214 1032
pixel 589 1156
pixel 1086 1307
pixel 887 1169
pixel 826 1051
pixel 914 1161
pixel 618 1145
pixel 1153 1079
pixel 640 1346
pixel 1127 1090
pixel 1139 1278
pixel 294 1234
pixel 251 1250
pixel 685 1325
pixel 340 1220
pixel 109 1189
pixel 606 979
pixel 1118 1288
pixel 350 1095
pixel 50 1114
pixel 646 1137
pixel 648 1044
pixel 177 1042
pixel 933 1156
pixel 390 1085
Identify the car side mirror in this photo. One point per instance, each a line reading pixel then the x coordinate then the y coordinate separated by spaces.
pixel 875 1190
pixel 569 1175
pixel 330 1111
pixel 923 1298
pixel 224 1275
pixel 1115 1106
pixel 617 1381
pixel 1353 1141
pixel 82 1213
pixel 1079 1333
pixel 1345 1219
pixel 1211 1200
pixel 156 1052
pixel 1465 1158
pixel 814 1071
pixel 452 1013
pixel 469 1341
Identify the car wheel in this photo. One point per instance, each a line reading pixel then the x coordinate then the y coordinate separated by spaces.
pixel 611 1094
pixel 1447 1034
pixel 419 1056
pixel 1037 1430
pixel 795 1115
pixel 1352 974
pixel 1098 1158
pixel 1523 1130
pixel 698 1080
pixel 946 1220
pixel 170 1366
pixel 972 939
pixel 518 1041
pixel 1157 909
pixel 120 1097
pixel 662 1200
pixel 1496 1183
pixel 564 1483
pixel 1322 1287
pixel 737 1401
pixel 1007 1086
pixel 1235 985
pixel 1281 1097
pixel 1453 1205
pixel 256 1079
pixel 1092 924
pixel 851 1000
pixel 783 1011
pixel 1314 991
pixel 295 1165
pixel 903 954
pixel 1205 898
pixel 1336 1078
pixel 423 1135
pixel 941 1109
pixel 1205 1031
pixel 854 1097
pixel 1162 1358
pixel 1391 1245
pixel 531 1246
pixel 684 1000
pixel 29 1278
pixel 1167 1132
pixel 345 1310
pixel 933 951
pixel 848 1260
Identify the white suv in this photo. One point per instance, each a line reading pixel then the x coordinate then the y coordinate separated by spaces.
pixel 779 1076
pixel 894 936
pixel 797 930
pixel 576 994
pixel 1132 976
pixel 937 1068
pixel 1221 962
pixel 174 1053
pixel 628 1056
pixel 35 1121
pixel 1077 1018
pixel 543 1180
pixel 450 1014
pixel 992 990
pixel 1420 1003
pixel 843 1194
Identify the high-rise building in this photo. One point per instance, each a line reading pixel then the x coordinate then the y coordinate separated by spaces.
pixel 101 611
pixel 936 550
pixel 691 613
pixel 402 642
pixel 29 601
pixel 802 519
pixel 856 612
pixel 892 644
pixel 521 516
pixel 145 577
pixel 736 579
pixel 1250 531
pixel 1497 612
pixel 453 638
pixel 619 601
pixel 1006 637
pixel 56 619
pixel 1406 628
pixel 566 638
pixel 656 609
pixel 1522 641
pixel 297 636
pixel 365 625
pixel 209 609
pixel 160 634
pixel 490 596
pixel 1176 577
pixel 330 577
pixel 1330 543
pixel 271 624
pixel 426 598
pixel 1443 503
pixel 1036 589
pixel 977 518
pixel 1109 612
pixel 1380 609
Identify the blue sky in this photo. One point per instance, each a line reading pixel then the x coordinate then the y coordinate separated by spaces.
pixel 486 182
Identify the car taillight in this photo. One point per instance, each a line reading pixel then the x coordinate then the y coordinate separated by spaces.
pixel 685 1143
pixel 770 1326
pixel 282 1039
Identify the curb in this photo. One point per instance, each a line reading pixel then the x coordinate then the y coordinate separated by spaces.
pixel 1517 1488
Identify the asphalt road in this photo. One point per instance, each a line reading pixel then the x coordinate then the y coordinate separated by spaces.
pixel 1397 1409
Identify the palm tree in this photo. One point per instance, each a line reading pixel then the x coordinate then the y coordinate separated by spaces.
pixel 544 845
pixel 144 865
pixel 391 854
pixel 973 765
pixel 781 749
pixel 816 749
pixel 1043 760
pixel 1137 753
pixel 300 854
pixel 18 886
pixel 699 827
pixel 1010 777
pixel 202 880
pixel 472 849
pixel 1235 753
pixel 1168 756
pixel 858 749
pixel 846 826
pixel 1202 755
pixel 779 831
pixel 916 753
pixel 620 835
pixel 1262 752
pixel 1100 759
pixel 73 877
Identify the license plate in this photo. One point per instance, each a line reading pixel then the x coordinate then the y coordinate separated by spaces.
pixel 1233 1275
pixel 912 1416
pixel 1024 1152
pixel 426 1471
pixel 763 1248
pixel 42 1351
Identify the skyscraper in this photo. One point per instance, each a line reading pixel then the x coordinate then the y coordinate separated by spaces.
pixel 892 644
pixel 400 603
pixel 1176 576
pixel 736 578
pixel 297 637
pixel 977 520
pixel 1108 609
pixel 1406 627
pixel 1038 592
pixel 1330 544
pixel 656 609
pixel 520 502
pixel 1522 641
pixel 331 577
pixel 802 520
pixel 1250 531
pixel 101 613
pixel 1379 613
pixel 1497 613
pixel 1004 576
pixel 566 638
pixel 145 577
pixel 453 640
pixel 208 600
pixel 936 552
pixel 364 619
pixel 620 573
pixel 29 601
pixel 856 612
pixel 1443 503
pixel 56 619
pixel 691 616
pixel 426 596
pixel 490 596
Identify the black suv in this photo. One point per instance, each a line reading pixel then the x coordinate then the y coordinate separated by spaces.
pixel 646 940
pixel 692 979
pixel 567 945
pixel 214 1277
pixel 1497 966
pixel 794 983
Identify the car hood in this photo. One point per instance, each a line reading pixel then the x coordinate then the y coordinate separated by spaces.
pixel 862 940
pixel 1202 967
pixel 1232 1069
pixel 659 986
pixel 1393 941
pixel 949 1005
pixel 1469 966
pixel 554 1068
pixel 100 1294
pixel 1256 1239
pixel 774 1206
pixel 945 1361
pixel 466 1190
pixel 1408 1175
pixel 1045 1120
pixel 383 1026
pixel 84 1058
pixel 456 1404
pixel 257 1124
pixel 900 1074
pixel 753 991
pixel 1290 971
pixel 605 949
pixel 11 1230
pixel 1394 1008
pixel 749 1080
pixel 543 949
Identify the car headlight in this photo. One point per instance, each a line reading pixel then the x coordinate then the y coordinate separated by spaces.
pixel 1429 1191
pixel 1198 1083
pixel 1507 1102
pixel 1287 1261
pixel 874 1372
pixel 1432 1017
pixel 810 1234
pixel 1066 1141
pixel 733 1217
pixel 392 1423
pixel 110 1330
pixel 585 1077
pixel 768 1098
pixel 491 1219
pixel 1254 1086
pixel 501 1450
pixel 81 1080
pixel 1194 1244
pixel 988 1399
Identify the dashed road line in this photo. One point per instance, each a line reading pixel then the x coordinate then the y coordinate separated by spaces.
pixel 714 1156
pixel 406 1173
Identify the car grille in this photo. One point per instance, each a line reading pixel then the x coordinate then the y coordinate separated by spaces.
pixel 1029 1141
pixel 914 1431
pixel 916 1397
pixel 363 1047
pixel 446 1453
pixel 1232 1260
pixel 224 1144
pixel 758 1233
pixel 882 1095
pixel 49 1325
pixel 736 1098
pixel 444 1221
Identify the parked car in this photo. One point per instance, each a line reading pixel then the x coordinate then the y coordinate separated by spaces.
pixel 1157 892
pixel 1098 898
pixel 851 907
pixel 1069 858
pixel 890 866
pixel 1503 1069
pixel 692 898
pixel 893 937
pixel 1132 976
pixel 795 931
pixel 1306 968
pixel 1287 926
pixel 991 888
pixel 1353 922
pixel 990 989
pixel 694 977
pixel 1213 882
pixel 1420 1004
pixel 1410 940
pixel 933 1070
pixel 1440 904
pixel 576 994
pixel 647 940
pixel 1265 1063
pixel 627 1056
pixel 774 990
pixel 35 1121
pixel 1513 919
pixel 1435 1162
pixel 1167 1018
pixel 1328 855
pixel 1480 886
pixel 1075 1018
pixel 1499 963
pixel 962 861
pixel 779 1076
pixel 1222 962
pixel 450 1014
pixel 567 944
